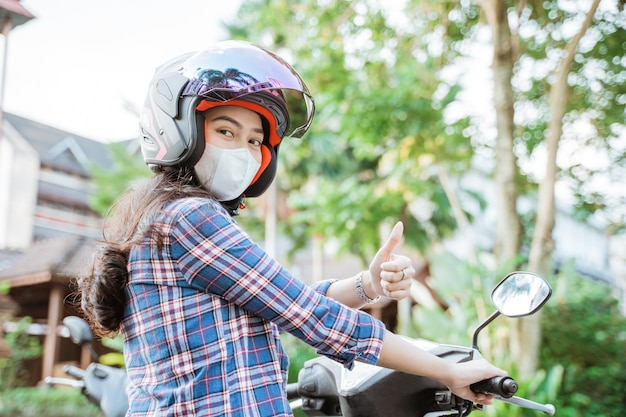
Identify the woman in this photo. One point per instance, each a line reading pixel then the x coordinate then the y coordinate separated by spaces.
pixel 199 305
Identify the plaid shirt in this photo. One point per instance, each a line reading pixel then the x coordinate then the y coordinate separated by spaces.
pixel 204 311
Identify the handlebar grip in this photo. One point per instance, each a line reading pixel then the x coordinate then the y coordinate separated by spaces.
pixel 74 371
pixel 292 391
pixel 504 386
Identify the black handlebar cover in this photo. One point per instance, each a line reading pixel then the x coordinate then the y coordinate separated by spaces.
pixel 504 386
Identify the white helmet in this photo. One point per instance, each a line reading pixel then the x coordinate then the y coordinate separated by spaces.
pixel 227 73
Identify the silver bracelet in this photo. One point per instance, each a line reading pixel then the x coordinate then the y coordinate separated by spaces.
pixel 358 282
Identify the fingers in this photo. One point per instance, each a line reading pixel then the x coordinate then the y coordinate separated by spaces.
pixel 398 294
pixel 396 290
pixel 493 370
pixel 482 369
pixel 479 398
pixel 484 399
pixel 398 269
pixel 392 241
pixel 469 372
pixel 389 271
pixel 396 281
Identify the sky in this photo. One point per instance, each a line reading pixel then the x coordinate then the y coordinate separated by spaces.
pixel 80 63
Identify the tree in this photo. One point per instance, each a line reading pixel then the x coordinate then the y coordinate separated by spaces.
pixel 382 100
pixel 508 231
pixel 109 184
pixel 560 51
pixel 382 139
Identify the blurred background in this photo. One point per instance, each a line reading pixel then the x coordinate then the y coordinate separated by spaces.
pixel 495 131
pixel 84 66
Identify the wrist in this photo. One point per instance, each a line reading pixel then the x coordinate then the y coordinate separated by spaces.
pixel 446 374
pixel 364 289
pixel 368 285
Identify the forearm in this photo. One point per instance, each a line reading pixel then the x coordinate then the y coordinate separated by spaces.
pixel 345 292
pixel 399 354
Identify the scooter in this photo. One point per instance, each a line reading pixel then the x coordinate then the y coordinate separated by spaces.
pixel 325 388
pixel 103 385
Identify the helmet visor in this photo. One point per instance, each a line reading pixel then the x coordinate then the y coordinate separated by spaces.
pixel 233 69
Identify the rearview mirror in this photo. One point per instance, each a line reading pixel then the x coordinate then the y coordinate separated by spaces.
pixel 80 332
pixel 520 294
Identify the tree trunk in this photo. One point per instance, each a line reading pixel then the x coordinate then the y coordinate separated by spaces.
pixel 508 224
pixel 542 246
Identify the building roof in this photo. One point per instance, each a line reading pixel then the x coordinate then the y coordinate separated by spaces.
pixel 8 256
pixel 56 259
pixel 15 11
pixel 63 150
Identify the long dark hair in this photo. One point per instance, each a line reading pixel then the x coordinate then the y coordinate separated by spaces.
pixel 101 289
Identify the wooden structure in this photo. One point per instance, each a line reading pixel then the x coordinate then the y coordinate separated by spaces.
pixel 41 286
pixel 47 227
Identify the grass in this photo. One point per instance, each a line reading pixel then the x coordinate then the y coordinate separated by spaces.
pixel 46 402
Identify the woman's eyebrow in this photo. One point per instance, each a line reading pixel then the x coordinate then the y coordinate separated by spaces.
pixel 228 119
pixel 236 123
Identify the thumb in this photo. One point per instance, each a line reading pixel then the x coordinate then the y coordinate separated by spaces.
pixel 392 241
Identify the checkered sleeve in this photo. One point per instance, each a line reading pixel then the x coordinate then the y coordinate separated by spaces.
pixel 217 257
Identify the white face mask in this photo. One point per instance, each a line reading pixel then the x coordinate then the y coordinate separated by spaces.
pixel 226 173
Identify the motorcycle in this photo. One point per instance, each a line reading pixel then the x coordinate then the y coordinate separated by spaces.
pixel 326 388
pixel 103 385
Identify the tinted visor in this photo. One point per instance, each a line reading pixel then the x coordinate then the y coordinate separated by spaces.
pixel 234 69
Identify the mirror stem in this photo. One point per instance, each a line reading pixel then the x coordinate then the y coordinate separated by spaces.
pixel 482 326
pixel 92 351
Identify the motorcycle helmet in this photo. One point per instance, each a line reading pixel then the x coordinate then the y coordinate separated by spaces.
pixel 227 73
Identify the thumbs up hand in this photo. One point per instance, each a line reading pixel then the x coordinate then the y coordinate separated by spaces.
pixel 391 274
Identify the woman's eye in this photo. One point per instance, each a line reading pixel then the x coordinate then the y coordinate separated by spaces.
pixel 226 132
pixel 255 142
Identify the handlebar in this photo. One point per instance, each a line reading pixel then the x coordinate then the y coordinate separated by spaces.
pixel 74 371
pixel 51 380
pixel 503 386
pixel 292 391
pixel 522 402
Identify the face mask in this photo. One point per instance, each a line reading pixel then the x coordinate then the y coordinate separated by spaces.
pixel 226 173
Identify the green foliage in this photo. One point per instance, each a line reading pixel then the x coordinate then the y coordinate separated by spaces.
pixel 466 288
pixel 453 280
pixel 115 343
pixel 595 119
pixel 110 184
pixel 584 330
pixel 23 347
pixel 113 358
pixel 49 402
pixel 381 134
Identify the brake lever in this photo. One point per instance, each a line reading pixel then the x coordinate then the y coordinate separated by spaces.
pixel 522 402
